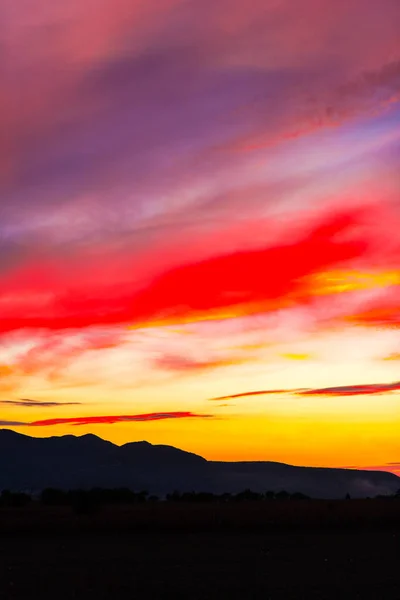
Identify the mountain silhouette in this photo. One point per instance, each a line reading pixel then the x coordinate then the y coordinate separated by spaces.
pixel 67 462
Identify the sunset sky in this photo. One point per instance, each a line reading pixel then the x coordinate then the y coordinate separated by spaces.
pixel 200 225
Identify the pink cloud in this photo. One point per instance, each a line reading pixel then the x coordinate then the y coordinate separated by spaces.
pixel 52 352
pixel 183 364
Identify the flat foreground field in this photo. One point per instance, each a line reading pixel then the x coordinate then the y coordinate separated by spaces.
pixel 220 565
pixel 80 558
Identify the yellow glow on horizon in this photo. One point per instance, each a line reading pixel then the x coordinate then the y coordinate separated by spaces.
pixel 315 441
pixel 303 430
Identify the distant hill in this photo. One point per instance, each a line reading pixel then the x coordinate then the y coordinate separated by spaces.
pixel 28 463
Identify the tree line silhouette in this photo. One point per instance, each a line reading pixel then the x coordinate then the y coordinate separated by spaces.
pixel 86 501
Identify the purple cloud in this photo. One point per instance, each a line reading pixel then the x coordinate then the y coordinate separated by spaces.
pixel 172 90
pixel 25 402
pixel 341 390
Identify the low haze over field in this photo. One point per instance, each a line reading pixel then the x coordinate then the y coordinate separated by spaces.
pixel 199 226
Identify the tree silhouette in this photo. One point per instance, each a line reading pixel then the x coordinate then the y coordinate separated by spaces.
pixel 299 496
pixel 84 502
pixel 14 499
pixel 53 497
pixel 283 495
pixel 248 495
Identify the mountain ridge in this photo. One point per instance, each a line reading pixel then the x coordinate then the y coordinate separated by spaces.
pixel 72 461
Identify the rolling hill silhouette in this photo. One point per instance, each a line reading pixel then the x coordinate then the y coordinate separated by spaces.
pixel 28 463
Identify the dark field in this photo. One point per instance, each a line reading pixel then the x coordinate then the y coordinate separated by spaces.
pixel 302 550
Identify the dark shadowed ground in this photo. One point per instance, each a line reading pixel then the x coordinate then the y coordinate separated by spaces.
pixel 97 557
pixel 221 565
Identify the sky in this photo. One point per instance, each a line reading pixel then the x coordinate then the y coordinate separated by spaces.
pixel 199 226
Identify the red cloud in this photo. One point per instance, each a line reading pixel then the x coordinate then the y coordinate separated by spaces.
pixel 353 390
pixel 117 419
pixel 250 281
pixel 225 286
pixel 343 390
pixel 381 315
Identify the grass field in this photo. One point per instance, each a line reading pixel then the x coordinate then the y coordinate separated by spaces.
pixel 314 549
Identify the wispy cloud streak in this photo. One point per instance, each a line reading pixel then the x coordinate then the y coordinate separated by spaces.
pixel 25 402
pixel 344 390
pixel 97 420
